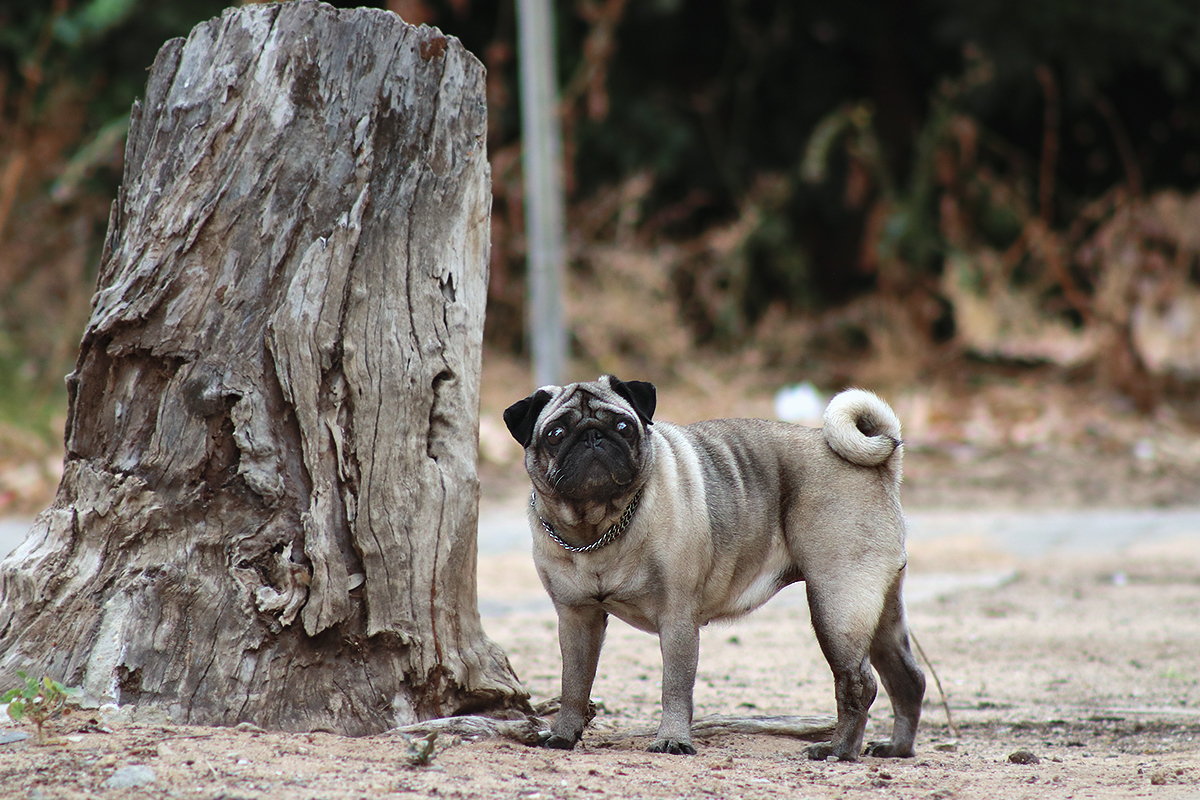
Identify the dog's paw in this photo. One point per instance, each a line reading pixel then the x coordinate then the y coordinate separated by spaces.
pixel 556 742
pixel 889 749
pixel 824 751
pixel 674 746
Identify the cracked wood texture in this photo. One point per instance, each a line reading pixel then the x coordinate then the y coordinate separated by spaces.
pixel 269 505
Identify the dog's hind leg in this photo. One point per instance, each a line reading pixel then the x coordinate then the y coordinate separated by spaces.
pixel 844 619
pixel 902 678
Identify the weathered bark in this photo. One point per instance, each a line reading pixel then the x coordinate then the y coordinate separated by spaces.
pixel 269 505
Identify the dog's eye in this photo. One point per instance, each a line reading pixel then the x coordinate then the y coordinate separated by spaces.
pixel 555 435
pixel 624 428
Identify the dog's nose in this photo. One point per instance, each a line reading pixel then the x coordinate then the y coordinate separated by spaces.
pixel 592 437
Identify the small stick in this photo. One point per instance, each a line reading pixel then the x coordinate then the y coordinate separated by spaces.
pixel 936 680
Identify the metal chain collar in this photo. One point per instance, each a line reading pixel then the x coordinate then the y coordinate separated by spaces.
pixel 610 535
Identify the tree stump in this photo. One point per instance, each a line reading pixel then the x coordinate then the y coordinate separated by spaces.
pixel 269 505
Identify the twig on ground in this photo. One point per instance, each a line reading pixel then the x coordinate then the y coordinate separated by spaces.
pixel 936 680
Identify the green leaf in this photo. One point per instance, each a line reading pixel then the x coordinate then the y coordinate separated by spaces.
pixel 16 710
pixel 820 144
pixel 101 15
pixel 93 20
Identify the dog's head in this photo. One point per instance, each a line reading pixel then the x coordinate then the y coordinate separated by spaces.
pixel 585 442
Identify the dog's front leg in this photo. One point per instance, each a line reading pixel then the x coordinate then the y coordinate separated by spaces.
pixel 580 636
pixel 680 644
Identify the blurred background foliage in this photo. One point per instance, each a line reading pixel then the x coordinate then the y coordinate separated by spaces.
pixel 833 184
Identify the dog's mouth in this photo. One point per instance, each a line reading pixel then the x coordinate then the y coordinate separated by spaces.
pixel 594 466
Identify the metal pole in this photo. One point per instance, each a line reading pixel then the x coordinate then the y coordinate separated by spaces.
pixel 544 197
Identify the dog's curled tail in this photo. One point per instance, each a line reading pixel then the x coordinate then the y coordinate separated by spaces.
pixel 862 428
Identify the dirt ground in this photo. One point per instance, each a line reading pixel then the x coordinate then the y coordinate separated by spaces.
pixel 1062 677
pixel 1085 673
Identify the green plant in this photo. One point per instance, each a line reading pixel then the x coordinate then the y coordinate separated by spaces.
pixel 905 237
pixel 40 700
pixel 421 752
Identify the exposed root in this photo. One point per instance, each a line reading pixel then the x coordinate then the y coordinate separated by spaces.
pixel 817 728
pixel 533 730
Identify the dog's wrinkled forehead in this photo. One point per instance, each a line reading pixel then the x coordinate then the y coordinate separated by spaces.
pixel 580 401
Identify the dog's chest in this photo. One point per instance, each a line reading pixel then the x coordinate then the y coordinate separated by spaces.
pixel 630 590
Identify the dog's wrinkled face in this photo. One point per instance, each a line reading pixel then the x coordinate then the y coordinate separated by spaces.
pixel 585 442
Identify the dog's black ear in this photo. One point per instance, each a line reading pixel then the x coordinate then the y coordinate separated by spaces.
pixel 521 416
pixel 640 394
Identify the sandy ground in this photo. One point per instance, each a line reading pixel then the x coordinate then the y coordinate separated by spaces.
pixel 1068 657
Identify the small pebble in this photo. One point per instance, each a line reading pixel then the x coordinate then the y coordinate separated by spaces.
pixel 1161 777
pixel 130 777
pixel 1023 757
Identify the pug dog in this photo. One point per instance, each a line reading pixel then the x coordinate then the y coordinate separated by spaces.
pixel 671 527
